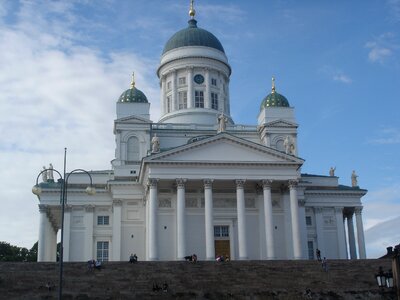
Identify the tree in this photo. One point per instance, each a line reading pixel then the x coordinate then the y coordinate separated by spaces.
pixel 14 253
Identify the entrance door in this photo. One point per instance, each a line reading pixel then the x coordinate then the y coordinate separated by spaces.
pixel 223 247
pixel 222 241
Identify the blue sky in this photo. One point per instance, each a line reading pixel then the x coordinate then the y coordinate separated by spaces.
pixel 65 63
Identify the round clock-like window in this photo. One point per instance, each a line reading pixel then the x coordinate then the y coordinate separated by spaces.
pixel 198 78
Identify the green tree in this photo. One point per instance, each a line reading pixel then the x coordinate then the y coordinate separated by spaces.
pixel 14 253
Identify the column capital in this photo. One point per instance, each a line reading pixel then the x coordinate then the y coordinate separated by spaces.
pixel 89 208
pixel 293 184
pixel 152 182
pixel 117 202
pixel 358 210
pixel 208 183
pixel 266 183
pixel 180 183
pixel 43 208
pixel 240 183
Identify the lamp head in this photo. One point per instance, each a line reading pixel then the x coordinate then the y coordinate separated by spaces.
pixel 90 190
pixel 37 190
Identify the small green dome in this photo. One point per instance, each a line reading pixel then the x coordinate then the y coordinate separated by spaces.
pixel 133 95
pixel 193 36
pixel 274 99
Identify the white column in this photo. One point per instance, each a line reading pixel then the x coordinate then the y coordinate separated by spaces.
pixel 67 231
pixel 241 216
pixel 116 238
pixel 208 213
pixel 152 230
pixel 319 224
pixel 352 240
pixel 207 96
pixel 163 88
pixel 53 244
pixel 174 92
pixel 43 224
pixel 303 227
pixel 89 212
pixel 360 233
pixel 269 228
pixel 190 87
pixel 344 232
pixel 294 212
pixel 340 233
pixel 180 219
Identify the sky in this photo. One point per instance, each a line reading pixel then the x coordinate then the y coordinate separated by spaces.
pixel 63 65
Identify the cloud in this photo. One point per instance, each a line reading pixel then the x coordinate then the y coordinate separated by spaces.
pixel 342 78
pixel 381 236
pixel 394 9
pixel 387 136
pixel 55 93
pixel 382 48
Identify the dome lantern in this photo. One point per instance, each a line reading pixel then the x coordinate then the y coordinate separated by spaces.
pixel 274 99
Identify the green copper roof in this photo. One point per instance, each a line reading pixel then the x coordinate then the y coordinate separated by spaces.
pixel 274 100
pixel 193 36
pixel 133 95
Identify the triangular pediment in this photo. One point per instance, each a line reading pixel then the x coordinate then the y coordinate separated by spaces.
pixel 281 123
pixel 133 119
pixel 225 148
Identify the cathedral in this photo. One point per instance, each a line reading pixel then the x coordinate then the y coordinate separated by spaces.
pixel 195 182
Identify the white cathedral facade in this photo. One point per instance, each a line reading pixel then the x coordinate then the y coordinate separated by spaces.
pixel 196 182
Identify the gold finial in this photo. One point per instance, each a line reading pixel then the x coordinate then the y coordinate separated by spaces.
pixel 192 12
pixel 273 84
pixel 133 80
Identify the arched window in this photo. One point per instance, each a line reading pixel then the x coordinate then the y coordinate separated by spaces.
pixel 280 146
pixel 133 149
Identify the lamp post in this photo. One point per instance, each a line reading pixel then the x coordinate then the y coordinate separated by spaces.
pixel 37 190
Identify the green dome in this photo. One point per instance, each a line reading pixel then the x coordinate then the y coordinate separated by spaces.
pixel 133 95
pixel 274 99
pixel 193 36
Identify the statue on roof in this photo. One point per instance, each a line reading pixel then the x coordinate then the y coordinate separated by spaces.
pixel 332 171
pixel 288 143
pixel 222 120
pixel 155 144
pixel 50 173
pixel 354 181
pixel 44 174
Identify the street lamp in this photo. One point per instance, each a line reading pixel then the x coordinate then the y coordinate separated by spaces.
pixel 37 190
pixel 381 278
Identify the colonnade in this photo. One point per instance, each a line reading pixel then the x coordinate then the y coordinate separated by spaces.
pixel 360 233
pixel 152 251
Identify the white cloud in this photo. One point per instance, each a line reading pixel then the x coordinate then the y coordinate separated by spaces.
pixel 55 94
pixel 382 47
pixel 394 9
pixel 381 236
pixel 342 78
pixel 387 136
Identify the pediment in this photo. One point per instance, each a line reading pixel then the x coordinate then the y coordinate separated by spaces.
pixel 133 119
pixel 281 123
pixel 225 148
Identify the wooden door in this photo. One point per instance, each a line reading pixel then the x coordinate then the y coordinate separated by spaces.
pixel 222 247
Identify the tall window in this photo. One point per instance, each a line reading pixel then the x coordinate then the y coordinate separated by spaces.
pixel 103 220
pixel 214 101
pixel 198 99
pixel 221 231
pixel 168 104
pixel 133 149
pixel 182 98
pixel 168 85
pixel 308 221
pixel 102 251
pixel 213 81
pixel 310 245
pixel 182 80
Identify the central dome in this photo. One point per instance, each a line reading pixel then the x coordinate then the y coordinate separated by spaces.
pixel 193 36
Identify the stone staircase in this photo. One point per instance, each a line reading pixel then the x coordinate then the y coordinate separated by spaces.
pixel 345 279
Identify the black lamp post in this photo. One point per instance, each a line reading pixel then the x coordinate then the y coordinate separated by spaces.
pixel 37 190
